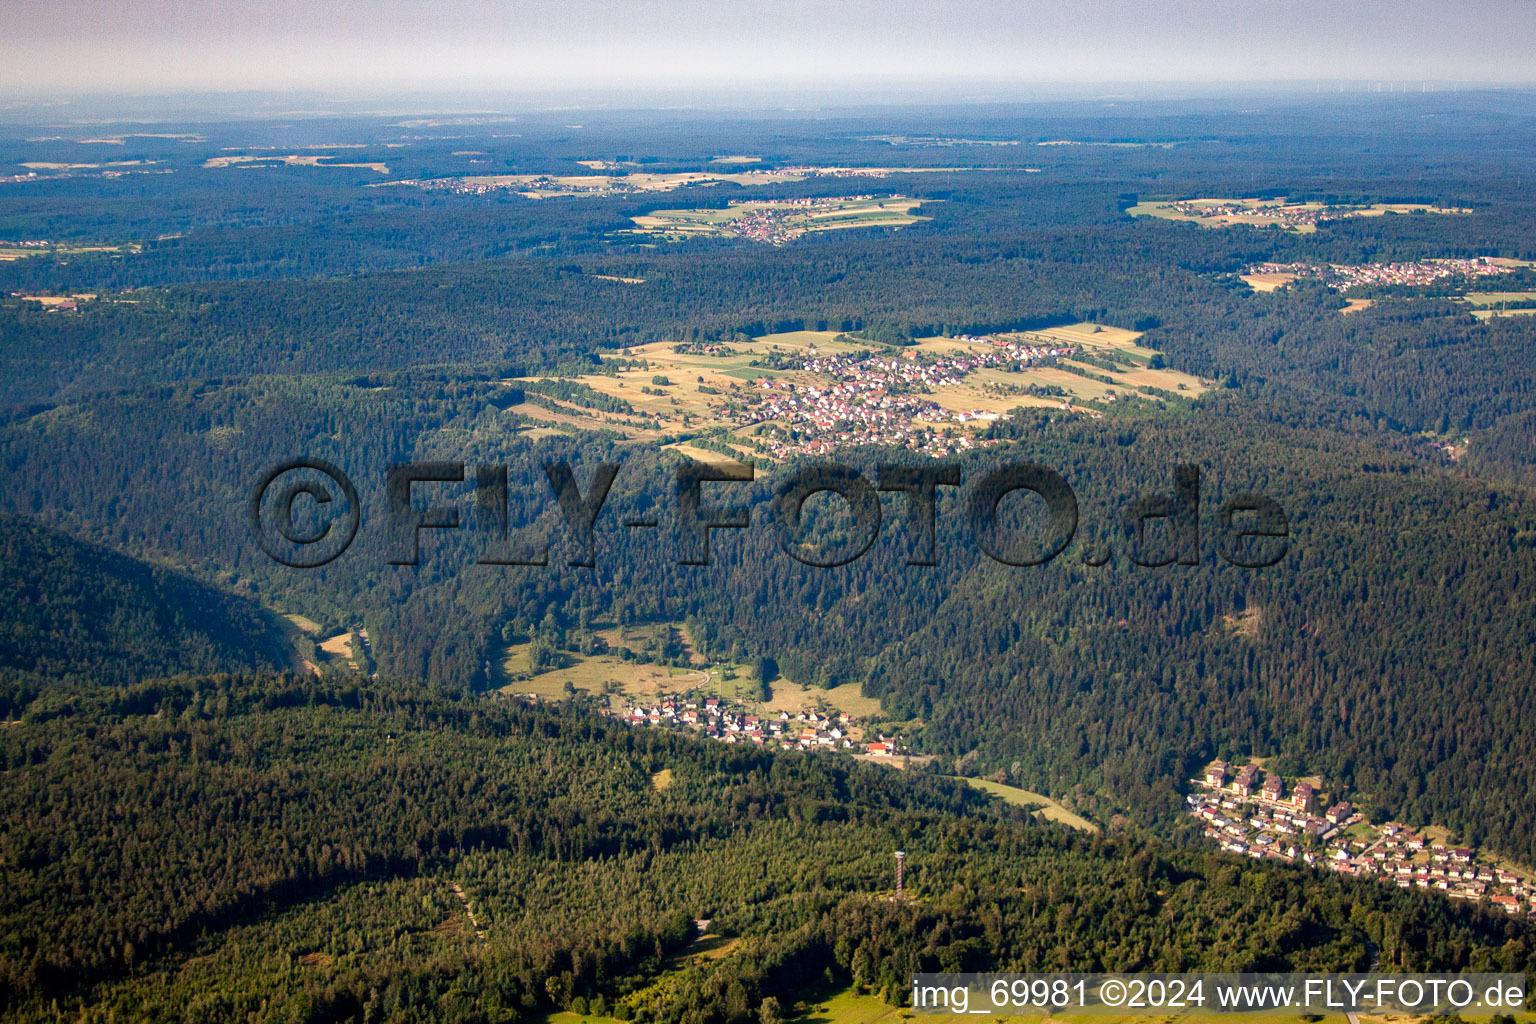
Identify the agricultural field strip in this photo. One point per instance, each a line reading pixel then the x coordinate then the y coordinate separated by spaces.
pixel 953 382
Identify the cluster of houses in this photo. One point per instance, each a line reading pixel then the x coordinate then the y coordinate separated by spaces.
pixel 878 399
pixel 78 172
pixel 936 141
pixel 1290 216
pixel 806 202
pixel 1417 272
pixel 531 185
pixel 723 721
pixel 781 442
pixel 1283 214
pixel 33 176
pixel 829 172
pixel 771 224
pixel 1261 819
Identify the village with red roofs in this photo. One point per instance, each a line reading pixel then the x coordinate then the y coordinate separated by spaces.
pixel 1261 815
pixel 720 719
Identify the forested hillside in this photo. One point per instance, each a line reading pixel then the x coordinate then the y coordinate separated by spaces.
pixel 1405 598
pixel 238 844
pixel 78 612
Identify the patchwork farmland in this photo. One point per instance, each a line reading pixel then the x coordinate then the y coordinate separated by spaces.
pixel 808 391
pixel 779 221
pixel 1300 217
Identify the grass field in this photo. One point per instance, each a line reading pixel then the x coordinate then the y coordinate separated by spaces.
pixel 642 681
pixel 1487 303
pixel 595 673
pixel 1489 314
pixel 566 1017
pixel 304 623
pixel 846 1006
pixel 792 697
pixel 1498 298
pixel 1049 808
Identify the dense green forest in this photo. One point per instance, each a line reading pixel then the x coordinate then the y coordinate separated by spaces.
pixel 190 835
pixel 213 847
pixel 76 611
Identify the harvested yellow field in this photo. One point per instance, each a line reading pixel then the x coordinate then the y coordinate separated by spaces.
pixel 1093 336
pixel 60 301
pixel 1267 282
pixel 339 647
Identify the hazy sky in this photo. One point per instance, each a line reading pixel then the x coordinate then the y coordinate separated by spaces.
pixel 144 46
